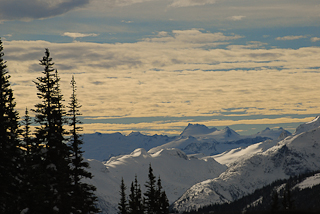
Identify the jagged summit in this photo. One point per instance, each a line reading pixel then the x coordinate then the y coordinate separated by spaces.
pixel 197 129
pixel 278 133
pixel 229 132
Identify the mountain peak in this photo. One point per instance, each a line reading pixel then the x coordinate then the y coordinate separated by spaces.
pixel 135 134
pixel 229 132
pixel 196 129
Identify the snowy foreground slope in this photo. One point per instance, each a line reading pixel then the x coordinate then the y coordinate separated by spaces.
pixel 178 173
pixel 294 155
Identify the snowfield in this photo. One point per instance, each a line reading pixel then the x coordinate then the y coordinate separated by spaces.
pixel 177 172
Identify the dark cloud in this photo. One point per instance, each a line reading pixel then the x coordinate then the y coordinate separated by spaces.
pixel 36 9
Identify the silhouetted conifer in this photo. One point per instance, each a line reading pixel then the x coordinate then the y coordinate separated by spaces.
pixel 10 152
pixel 83 199
pixel 123 205
pixel 135 198
pixel 162 203
pixel 54 183
pixel 150 194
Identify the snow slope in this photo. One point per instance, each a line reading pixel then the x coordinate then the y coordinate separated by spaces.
pixel 309 182
pixel 294 155
pixel 178 172
pixel 233 155
pixel 308 126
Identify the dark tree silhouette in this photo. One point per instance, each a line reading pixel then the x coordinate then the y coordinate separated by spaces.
pixel 135 198
pixel 54 183
pixel 123 205
pixel 150 194
pixel 10 152
pixel 83 199
pixel 162 202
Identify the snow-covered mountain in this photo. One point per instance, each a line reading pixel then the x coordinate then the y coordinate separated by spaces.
pixel 103 146
pixel 178 172
pixel 200 139
pixel 127 157
pixel 195 138
pixel 197 130
pixel 293 155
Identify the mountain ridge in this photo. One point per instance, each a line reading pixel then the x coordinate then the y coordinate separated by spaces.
pixel 294 155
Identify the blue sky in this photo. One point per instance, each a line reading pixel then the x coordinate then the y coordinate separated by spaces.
pixel 156 65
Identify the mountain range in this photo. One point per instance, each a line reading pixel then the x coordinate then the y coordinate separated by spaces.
pixel 202 165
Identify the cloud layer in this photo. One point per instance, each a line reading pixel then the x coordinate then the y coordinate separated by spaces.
pixel 173 74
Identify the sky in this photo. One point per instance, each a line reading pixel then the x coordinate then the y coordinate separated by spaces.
pixel 154 66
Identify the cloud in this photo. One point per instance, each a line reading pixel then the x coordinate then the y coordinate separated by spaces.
pixel 180 76
pixel 193 37
pixel 315 39
pixel 79 35
pixel 37 9
pixel 127 22
pixel 290 38
pixel 236 18
pixel 189 3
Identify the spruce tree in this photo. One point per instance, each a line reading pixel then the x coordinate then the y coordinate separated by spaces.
pixel 122 205
pixel 83 199
pixel 150 194
pixel 162 203
pixel 55 182
pixel 135 198
pixel 10 152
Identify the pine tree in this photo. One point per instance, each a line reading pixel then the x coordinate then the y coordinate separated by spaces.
pixel 135 198
pixel 162 203
pixel 10 152
pixel 83 199
pixel 55 182
pixel 150 194
pixel 122 205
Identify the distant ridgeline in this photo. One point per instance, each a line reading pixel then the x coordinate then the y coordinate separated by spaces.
pixel 298 194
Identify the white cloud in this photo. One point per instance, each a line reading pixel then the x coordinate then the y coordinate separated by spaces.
pixel 188 3
pixel 79 35
pixel 315 39
pixel 290 37
pixel 193 37
pixel 236 18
